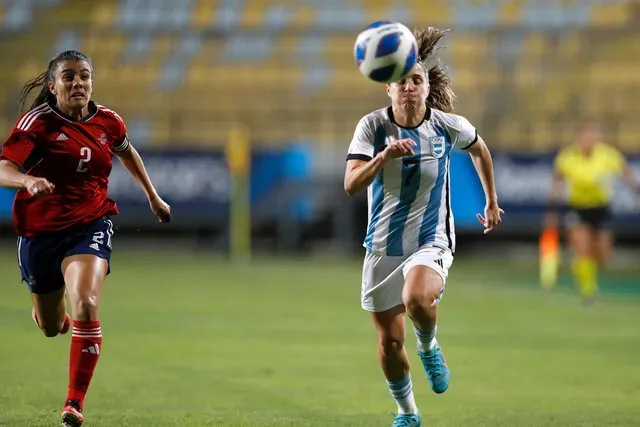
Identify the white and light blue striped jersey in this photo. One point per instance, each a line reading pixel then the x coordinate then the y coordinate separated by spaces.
pixel 409 200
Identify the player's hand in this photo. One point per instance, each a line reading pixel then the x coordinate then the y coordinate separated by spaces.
pixel 38 187
pixel 398 148
pixel 492 217
pixel 161 209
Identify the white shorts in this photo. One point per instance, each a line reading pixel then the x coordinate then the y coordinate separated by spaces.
pixel 383 276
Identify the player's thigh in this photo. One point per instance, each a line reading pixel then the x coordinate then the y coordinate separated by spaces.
pixel 426 273
pixel 39 260
pixel 382 282
pixel 85 266
pixel 84 275
pixel 580 237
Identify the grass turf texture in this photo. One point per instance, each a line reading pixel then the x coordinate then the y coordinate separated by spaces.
pixel 199 342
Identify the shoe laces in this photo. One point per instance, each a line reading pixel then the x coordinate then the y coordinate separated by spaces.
pixel 404 420
pixel 75 404
pixel 433 360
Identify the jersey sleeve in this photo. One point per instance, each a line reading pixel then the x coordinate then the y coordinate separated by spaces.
pixel 463 134
pixel 361 147
pixel 19 146
pixel 122 142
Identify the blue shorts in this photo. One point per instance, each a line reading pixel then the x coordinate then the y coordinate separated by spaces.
pixel 40 257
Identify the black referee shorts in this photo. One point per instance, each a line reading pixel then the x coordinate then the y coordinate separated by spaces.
pixel 597 218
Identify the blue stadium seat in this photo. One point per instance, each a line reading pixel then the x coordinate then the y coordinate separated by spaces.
pixel 344 17
pixel 277 17
pixel 174 70
pixel 67 40
pixel 229 14
pixel 470 15
pixel 139 130
pixel 239 48
pixel 544 16
pixel 18 16
pixel 314 78
pixel 138 47
pixel 329 4
pixel 155 14
pixel 310 47
pixel 399 12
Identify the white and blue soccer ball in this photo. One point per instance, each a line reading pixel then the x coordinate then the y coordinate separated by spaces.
pixel 385 51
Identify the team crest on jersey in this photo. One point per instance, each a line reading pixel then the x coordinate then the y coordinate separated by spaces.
pixel 102 138
pixel 437 145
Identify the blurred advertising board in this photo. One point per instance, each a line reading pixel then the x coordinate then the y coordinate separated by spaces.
pixel 523 183
pixel 196 184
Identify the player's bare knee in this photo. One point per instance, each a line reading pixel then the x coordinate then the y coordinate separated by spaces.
pixel 390 344
pixel 582 242
pixel 86 308
pixel 418 303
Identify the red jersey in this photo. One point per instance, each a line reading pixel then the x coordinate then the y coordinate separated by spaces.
pixel 75 156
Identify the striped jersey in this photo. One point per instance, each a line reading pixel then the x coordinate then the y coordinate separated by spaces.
pixel 409 200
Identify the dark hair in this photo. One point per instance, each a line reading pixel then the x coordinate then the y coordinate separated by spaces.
pixel 43 79
pixel 441 95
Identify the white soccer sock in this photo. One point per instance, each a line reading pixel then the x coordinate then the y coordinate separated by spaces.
pixel 426 340
pixel 402 392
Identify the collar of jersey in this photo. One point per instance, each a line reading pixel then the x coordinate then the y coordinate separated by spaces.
pixel 93 109
pixel 427 116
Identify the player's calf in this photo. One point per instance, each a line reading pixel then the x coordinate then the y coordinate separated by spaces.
pixel 51 328
pixel 421 299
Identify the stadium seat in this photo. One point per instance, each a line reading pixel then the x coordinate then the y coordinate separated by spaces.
pixel 202 14
pixel 185 70
pixel 611 14
pixel 228 14
pixel 18 16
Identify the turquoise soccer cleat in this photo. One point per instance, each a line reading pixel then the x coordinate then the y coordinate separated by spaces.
pixel 436 369
pixel 407 420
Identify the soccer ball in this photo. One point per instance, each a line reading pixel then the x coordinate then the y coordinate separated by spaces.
pixel 385 51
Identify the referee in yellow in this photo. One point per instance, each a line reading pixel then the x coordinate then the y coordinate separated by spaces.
pixel 587 170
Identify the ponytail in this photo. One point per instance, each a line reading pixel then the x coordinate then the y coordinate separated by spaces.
pixel 441 95
pixel 45 95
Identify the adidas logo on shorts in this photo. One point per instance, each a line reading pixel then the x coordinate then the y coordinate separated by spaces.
pixel 62 137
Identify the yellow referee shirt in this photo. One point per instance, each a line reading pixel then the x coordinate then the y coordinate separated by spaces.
pixel 589 178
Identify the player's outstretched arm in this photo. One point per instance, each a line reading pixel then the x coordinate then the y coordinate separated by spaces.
pixel 132 162
pixel 360 173
pixel 11 177
pixel 483 163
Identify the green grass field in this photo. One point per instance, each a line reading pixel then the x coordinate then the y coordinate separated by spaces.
pixel 198 342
